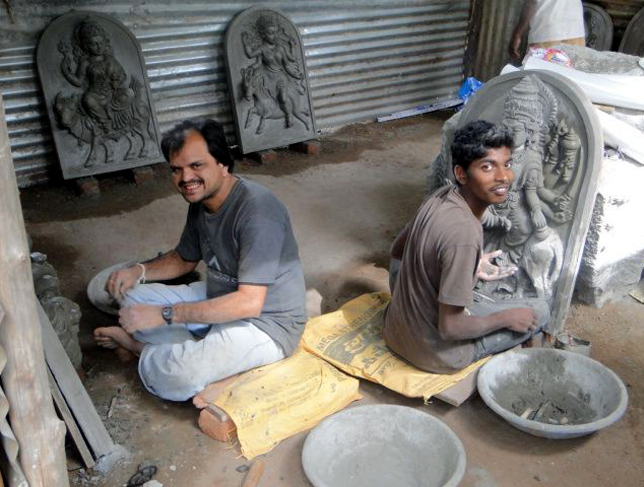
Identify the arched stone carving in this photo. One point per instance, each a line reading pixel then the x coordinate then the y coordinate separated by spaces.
pixel 633 38
pixel 97 95
pixel 541 227
pixel 267 80
pixel 599 27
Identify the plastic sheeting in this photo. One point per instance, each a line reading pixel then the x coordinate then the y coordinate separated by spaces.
pixel 606 89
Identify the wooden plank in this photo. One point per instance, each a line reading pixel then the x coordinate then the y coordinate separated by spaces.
pixel 38 431
pixel 459 392
pixel 73 390
pixel 72 427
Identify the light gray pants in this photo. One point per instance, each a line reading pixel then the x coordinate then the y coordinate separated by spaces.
pixel 176 363
pixel 498 340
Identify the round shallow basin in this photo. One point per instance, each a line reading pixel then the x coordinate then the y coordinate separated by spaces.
pixel 552 393
pixel 383 446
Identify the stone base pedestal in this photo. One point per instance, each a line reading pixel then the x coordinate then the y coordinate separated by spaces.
pixel 142 174
pixel 308 147
pixel 88 186
pixel 264 156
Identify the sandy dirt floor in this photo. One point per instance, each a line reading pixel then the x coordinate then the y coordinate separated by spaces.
pixel 346 204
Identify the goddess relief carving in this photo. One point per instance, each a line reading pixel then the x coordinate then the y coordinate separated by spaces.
pixel 110 107
pixel 545 161
pixel 274 82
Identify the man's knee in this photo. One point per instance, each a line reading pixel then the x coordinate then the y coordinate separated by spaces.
pixel 143 294
pixel 165 377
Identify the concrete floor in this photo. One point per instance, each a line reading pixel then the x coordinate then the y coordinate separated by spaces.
pixel 346 205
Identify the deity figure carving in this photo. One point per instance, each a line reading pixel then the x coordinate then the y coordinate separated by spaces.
pixel 545 160
pixel 111 106
pixel 63 313
pixel 275 82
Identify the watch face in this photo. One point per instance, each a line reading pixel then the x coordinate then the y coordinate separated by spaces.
pixel 166 313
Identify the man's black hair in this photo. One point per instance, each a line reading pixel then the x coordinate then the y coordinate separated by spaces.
pixel 210 130
pixel 473 140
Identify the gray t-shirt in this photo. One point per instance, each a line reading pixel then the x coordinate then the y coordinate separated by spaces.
pixel 438 266
pixel 249 240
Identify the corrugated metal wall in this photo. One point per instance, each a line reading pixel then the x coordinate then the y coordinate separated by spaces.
pixel 364 59
pixel 493 22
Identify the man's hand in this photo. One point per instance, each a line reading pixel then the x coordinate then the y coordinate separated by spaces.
pixel 521 320
pixel 140 317
pixel 487 271
pixel 513 48
pixel 122 280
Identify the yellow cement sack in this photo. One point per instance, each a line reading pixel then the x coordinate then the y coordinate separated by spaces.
pixel 272 403
pixel 351 339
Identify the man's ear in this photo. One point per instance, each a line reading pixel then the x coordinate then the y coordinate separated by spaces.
pixel 460 174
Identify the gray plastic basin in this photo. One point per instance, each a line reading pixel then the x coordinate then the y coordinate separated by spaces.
pixel 587 395
pixel 383 446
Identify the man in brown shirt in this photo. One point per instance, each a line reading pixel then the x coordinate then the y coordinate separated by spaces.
pixel 432 320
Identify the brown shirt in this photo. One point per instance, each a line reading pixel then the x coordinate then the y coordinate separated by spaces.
pixel 438 265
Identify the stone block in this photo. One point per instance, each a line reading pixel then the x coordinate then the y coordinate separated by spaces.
pixel 308 147
pixel 88 186
pixel 215 423
pixel 142 174
pixel 265 156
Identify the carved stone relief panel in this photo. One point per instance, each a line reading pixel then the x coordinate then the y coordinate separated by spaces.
pixel 633 39
pixel 97 95
pixel 542 225
pixel 267 80
pixel 599 27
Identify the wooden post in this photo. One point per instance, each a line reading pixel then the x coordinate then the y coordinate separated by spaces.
pixel 40 434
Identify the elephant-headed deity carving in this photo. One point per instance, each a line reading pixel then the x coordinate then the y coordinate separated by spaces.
pixel 275 82
pixel 545 162
pixel 111 105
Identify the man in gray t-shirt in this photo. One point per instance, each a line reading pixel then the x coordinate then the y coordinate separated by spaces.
pixel 251 309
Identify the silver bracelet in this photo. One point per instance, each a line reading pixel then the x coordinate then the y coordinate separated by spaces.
pixel 141 279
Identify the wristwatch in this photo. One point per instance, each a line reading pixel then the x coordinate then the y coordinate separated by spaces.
pixel 167 312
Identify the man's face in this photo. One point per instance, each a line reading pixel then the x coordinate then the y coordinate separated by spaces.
pixel 488 179
pixel 196 174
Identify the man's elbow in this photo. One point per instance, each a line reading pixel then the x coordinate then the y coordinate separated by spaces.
pixel 254 305
pixel 254 309
pixel 446 332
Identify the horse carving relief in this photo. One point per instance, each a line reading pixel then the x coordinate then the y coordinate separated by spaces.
pixel 97 95
pixel 268 81
pixel 109 107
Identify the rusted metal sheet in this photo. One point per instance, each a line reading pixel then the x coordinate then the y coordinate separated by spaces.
pixel 364 59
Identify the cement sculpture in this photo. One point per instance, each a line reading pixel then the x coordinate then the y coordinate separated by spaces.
pixel 599 28
pixel 267 80
pixel 541 226
pixel 97 95
pixel 63 313
pixel 633 38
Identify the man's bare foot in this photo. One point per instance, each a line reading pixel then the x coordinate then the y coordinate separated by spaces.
pixel 114 337
pixel 211 392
